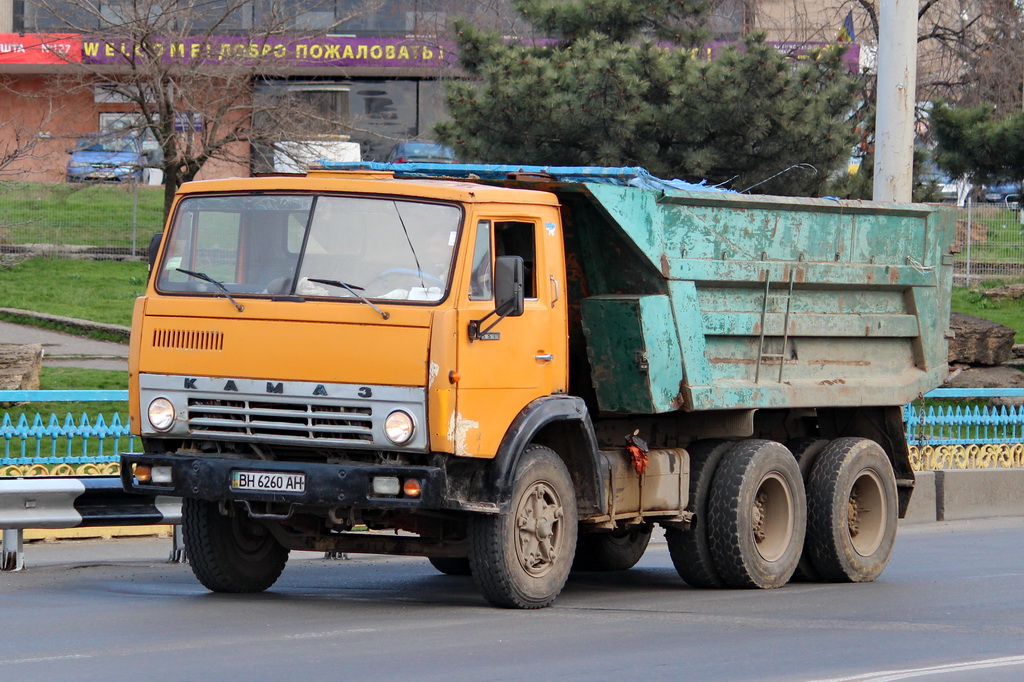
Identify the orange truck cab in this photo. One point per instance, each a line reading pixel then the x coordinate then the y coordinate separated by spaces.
pixel 320 358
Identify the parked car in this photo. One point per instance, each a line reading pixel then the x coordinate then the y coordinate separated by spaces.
pixel 106 157
pixel 420 152
pixel 1007 192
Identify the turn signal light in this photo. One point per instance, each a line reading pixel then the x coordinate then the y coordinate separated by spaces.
pixel 143 473
pixel 412 488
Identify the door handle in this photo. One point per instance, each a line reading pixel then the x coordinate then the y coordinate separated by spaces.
pixel 545 357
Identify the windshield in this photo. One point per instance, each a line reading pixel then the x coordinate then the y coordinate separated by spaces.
pixel 106 144
pixel 301 245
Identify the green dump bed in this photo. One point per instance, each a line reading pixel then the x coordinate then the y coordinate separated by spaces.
pixel 702 301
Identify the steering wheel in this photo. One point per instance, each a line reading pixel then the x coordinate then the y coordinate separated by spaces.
pixel 422 278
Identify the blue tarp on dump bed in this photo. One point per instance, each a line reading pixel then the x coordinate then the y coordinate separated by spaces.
pixel 630 176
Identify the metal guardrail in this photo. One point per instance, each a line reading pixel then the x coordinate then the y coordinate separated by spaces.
pixel 68 502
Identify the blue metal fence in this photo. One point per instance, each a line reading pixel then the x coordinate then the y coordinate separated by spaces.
pixel 958 424
pixel 48 444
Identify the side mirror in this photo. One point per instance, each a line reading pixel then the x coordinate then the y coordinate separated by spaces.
pixel 509 293
pixel 154 248
pixel 509 297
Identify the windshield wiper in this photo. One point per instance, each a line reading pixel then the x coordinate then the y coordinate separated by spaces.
pixel 352 289
pixel 206 278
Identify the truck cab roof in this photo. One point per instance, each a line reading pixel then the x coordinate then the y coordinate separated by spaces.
pixel 374 182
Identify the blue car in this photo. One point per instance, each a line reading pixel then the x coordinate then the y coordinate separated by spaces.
pixel 420 152
pixel 1008 192
pixel 103 157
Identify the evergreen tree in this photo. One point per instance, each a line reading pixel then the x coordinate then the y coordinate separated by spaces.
pixel 975 141
pixel 624 83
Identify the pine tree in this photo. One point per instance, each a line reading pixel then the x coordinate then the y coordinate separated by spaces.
pixel 624 82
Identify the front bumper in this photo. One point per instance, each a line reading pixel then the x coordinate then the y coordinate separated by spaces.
pixel 327 485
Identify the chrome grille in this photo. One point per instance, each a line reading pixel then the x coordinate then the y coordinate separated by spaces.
pixel 291 422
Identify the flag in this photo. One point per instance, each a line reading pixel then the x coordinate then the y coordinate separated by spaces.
pixel 846 33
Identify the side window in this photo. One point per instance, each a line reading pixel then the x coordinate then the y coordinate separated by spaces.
pixel 480 281
pixel 512 238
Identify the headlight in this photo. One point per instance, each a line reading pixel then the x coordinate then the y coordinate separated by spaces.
pixel 398 427
pixel 161 414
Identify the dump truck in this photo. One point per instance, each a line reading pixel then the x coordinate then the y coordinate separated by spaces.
pixel 517 372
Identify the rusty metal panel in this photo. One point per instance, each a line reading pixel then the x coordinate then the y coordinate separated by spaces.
pixel 633 347
pixel 781 302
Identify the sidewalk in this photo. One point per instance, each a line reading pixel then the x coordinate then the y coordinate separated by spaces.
pixel 68 350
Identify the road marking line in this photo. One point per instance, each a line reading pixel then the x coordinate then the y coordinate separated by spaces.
pixel 42 659
pixel 891 675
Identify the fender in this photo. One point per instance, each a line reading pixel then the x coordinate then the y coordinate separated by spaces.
pixel 572 438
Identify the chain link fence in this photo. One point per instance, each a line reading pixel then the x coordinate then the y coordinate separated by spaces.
pixel 989 242
pixel 73 220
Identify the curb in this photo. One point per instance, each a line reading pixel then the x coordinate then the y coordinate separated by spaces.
pixel 955 494
pixel 69 322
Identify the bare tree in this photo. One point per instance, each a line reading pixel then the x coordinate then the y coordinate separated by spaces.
pixel 191 71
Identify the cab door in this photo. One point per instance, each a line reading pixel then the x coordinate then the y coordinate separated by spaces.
pixel 519 358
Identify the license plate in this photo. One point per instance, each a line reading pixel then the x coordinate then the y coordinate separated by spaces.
pixel 268 481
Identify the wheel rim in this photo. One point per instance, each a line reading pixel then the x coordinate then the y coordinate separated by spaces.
pixel 866 513
pixel 772 517
pixel 539 519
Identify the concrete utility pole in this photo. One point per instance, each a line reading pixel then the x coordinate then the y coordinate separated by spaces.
pixel 897 85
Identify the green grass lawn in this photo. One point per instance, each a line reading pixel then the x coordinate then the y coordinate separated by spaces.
pixel 971 302
pixel 101 291
pixel 92 215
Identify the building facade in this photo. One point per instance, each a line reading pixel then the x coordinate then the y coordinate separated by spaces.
pixel 377 66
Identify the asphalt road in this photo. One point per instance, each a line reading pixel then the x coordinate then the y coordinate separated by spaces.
pixel 950 606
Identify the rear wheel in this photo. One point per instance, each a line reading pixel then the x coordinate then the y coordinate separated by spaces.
pixel 451 565
pixel 757 514
pixel 522 559
pixel 852 511
pixel 229 553
pixel 611 551
pixel 688 548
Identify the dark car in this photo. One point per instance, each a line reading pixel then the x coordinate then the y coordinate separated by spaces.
pixel 106 157
pixel 1007 192
pixel 420 152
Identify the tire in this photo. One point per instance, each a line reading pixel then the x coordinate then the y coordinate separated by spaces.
pixel 451 565
pixel 852 511
pixel 757 515
pixel 688 548
pixel 806 450
pixel 229 553
pixel 521 559
pixel 611 551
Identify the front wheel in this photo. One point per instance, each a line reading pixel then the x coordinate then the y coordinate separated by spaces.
pixel 851 526
pixel 229 553
pixel 522 559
